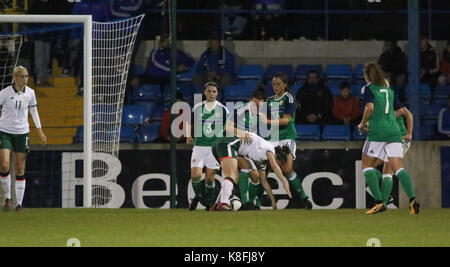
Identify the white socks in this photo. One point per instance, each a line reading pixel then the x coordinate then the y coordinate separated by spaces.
pixel 6 185
pixel 20 191
pixel 226 191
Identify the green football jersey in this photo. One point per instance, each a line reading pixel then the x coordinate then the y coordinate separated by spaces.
pixel 402 126
pixel 209 125
pixel 276 108
pixel 383 125
pixel 246 120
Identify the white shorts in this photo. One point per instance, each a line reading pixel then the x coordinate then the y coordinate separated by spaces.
pixel 202 156
pixel 405 147
pixel 382 150
pixel 290 143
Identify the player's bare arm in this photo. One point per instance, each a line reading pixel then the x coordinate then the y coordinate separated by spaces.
pixel 276 168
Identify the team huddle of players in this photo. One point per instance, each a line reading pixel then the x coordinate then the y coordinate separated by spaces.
pixel 245 158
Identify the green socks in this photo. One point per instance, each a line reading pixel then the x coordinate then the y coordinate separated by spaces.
pixel 296 184
pixel 243 185
pixel 386 187
pixel 197 186
pixel 252 191
pixel 210 195
pixel 406 182
pixel 373 183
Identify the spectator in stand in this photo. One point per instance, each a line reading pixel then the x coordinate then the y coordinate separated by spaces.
pixel 42 42
pixel 346 107
pixel 234 23
pixel 444 79
pixel 429 63
pixel 60 47
pixel 216 64
pixel 99 9
pixel 270 26
pixel 444 129
pixel 315 101
pixel 164 130
pixel 393 61
pixel 122 9
pixel 158 68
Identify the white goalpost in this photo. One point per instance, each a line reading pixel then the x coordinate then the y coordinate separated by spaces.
pixel 107 51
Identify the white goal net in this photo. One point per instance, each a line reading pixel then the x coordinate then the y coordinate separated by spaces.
pixel 105 51
pixel 9 55
pixel 112 49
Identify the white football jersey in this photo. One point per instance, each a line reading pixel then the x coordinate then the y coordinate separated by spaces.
pixel 14 106
pixel 257 150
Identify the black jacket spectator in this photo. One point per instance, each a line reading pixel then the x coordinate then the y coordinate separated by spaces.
pixel 315 102
pixel 429 63
pixel 394 62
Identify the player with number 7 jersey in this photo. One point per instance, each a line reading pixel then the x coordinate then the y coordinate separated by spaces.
pixel 383 125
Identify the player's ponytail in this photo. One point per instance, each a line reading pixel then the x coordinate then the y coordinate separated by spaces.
pixel 374 73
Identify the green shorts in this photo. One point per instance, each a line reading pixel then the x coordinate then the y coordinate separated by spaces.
pixel 15 142
pixel 225 147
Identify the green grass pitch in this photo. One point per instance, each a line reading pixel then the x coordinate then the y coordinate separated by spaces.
pixel 182 228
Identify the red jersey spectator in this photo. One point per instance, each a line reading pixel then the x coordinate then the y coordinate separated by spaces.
pixel 346 106
pixel 164 130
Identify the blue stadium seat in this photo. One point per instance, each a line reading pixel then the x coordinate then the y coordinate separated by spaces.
pixel 356 90
pixel 430 111
pixel 104 113
pixel 308 132
pixel 358 76
pixel 237 93
pixel 440 102
pixel 334 88
pixel 358 72
pixel 302 71
pixel 187 91
pixel 441 92
pixel 336 132
pixel 295 88
pixel 134 115
pixel 187 75
pixel 79 135
pixel 147 92
pixel 127 134
pixel 148 105
pixel 252 84
pixel 269 89
pixel 339 71
pixel 148 134
pixel 428 132
pixel 361 83
pixel 250 72
pixel 271 70
pixel 357 136
pixel 138 70
pixel 157 113
pixel 425 91
pixel 446 120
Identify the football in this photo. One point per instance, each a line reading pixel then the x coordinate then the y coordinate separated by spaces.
pixel 235 203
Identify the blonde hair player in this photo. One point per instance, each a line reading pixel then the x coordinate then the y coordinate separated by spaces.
pixel 15 101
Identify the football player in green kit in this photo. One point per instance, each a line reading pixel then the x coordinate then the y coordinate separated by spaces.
pixel 281 109
pixel 209 119
pixel 384 136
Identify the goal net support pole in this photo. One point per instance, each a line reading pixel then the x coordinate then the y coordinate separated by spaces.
pixel 86 20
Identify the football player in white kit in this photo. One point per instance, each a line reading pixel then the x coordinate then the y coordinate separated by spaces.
pixel 227 149
pixel 15 101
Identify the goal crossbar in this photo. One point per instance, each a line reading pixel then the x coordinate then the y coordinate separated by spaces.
pixel 86 20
